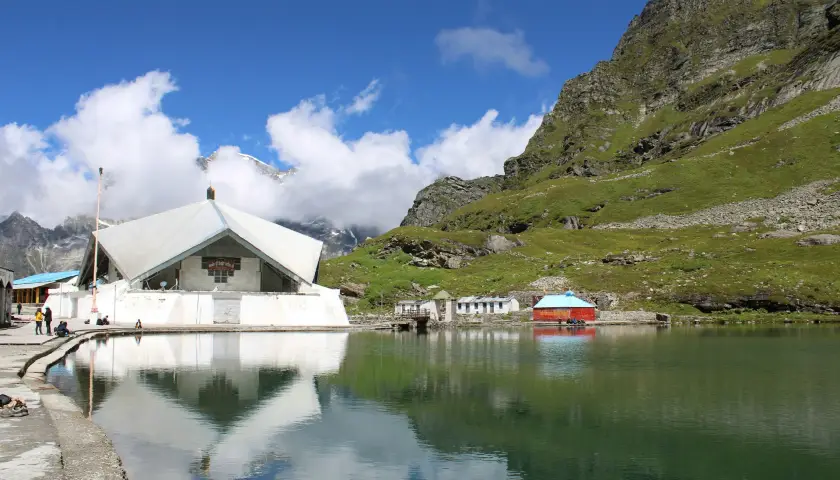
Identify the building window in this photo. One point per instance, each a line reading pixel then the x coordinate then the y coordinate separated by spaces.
pixel 500 305
pixel 221 268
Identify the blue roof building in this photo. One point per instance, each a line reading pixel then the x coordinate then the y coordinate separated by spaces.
pixel 568 300
pixel 45 278
pixel 35 288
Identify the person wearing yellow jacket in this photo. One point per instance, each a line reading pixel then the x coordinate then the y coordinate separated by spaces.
pixel 39 320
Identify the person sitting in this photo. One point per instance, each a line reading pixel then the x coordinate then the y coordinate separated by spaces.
pixel 61 330
pixel 138 325
pixel 105 321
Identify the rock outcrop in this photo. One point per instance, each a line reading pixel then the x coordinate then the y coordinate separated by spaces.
pixel 819 240
pixel 446 195
pixel 425 253
pixel 499 244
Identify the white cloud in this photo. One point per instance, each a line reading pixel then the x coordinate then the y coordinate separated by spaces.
pixel 150 163
pixel 490 47
pixel 120 128
pixel 366 98
pixel 373 180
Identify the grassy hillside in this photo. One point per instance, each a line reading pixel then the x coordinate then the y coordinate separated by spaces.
pixel 728 268
pixel 721 170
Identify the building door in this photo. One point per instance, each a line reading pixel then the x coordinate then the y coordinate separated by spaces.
pixel 226 310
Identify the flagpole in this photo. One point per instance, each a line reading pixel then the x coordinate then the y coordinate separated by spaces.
pixel 94 312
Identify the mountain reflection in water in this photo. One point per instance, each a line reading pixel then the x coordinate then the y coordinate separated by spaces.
pixel 629 403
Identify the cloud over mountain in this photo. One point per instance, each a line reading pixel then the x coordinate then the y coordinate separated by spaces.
pixel 149 160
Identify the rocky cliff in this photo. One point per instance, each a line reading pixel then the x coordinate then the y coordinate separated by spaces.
pixel 446 195
pixel 27 248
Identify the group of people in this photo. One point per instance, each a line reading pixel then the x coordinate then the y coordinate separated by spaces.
pixel 62 330
pixel 46 317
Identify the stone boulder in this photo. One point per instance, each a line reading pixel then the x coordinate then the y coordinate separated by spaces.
pixel 499 244
pixel 572 223
pixel 606 301
pixel 780 234
pixel 352 290
pixel 819 240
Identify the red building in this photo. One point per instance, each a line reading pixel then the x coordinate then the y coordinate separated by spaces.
pixel 559 308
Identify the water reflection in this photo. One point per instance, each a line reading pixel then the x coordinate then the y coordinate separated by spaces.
pixel 246 406
pixel 631 403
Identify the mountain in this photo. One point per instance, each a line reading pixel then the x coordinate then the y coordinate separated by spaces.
pixel 696 170
pixel 263 167
pixel 28 248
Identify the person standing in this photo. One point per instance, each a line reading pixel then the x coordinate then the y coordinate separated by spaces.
pixel 39 318
pixel 19 307
pixel 48 319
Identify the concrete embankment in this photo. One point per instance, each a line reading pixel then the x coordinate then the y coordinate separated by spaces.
pixel 86 452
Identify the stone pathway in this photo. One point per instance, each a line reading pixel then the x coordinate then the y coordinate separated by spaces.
pixel 28 445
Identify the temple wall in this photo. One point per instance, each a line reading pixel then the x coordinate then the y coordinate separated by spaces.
pixel 321 309
pixel 319 306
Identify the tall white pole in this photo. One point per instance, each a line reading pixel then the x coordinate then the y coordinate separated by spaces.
pixel 94 312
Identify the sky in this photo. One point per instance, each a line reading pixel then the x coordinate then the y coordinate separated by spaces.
pixel 370 101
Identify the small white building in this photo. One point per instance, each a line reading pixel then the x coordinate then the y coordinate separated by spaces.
pixel 492 305
pixel 415 307
pixel 440 308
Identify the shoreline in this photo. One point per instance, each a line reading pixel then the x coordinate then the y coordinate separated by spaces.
pixel 87 451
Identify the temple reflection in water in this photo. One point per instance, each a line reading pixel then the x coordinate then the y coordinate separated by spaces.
pixel 246 405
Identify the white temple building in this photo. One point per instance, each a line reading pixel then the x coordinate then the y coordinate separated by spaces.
pixel 203 263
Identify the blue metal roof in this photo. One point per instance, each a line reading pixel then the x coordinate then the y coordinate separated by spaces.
pixel 47 277
pixel 569 300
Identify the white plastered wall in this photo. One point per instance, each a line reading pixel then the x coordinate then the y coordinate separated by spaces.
pixel 318 306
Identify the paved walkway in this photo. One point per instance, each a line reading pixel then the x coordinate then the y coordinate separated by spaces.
pixel 28 445
pixel 24 333
pixel 55 441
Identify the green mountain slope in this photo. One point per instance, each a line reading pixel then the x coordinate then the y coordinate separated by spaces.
pixel 706 153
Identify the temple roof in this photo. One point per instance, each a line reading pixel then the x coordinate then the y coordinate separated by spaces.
pixel 142 247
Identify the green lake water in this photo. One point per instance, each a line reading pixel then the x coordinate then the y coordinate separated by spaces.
pixel 711 403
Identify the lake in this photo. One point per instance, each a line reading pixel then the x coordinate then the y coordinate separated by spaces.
pixel 608 403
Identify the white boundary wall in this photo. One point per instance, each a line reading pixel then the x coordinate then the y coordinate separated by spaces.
pixel 314 306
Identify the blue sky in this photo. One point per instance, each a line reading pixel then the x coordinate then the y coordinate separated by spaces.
pixel 236 63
